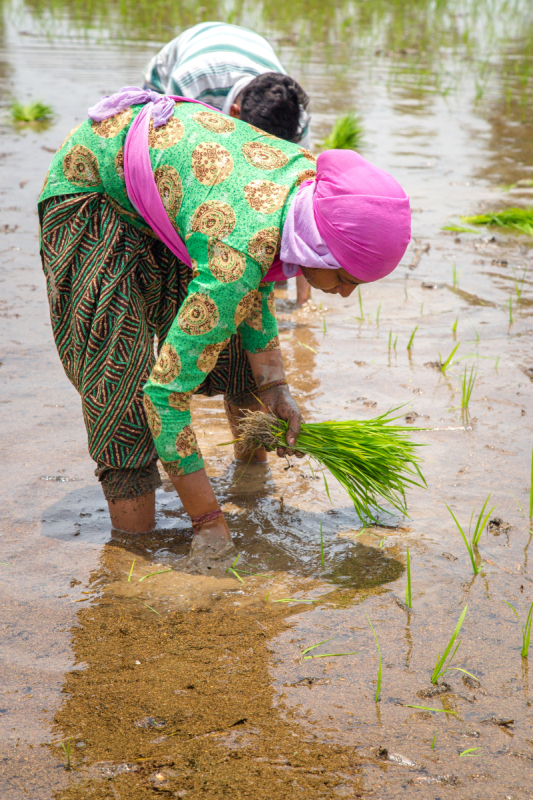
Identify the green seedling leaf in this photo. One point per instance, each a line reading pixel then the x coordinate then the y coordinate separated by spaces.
pixel 327 489
pixel 131 570
pixel 312 647
pixel 444 366
pixel 458 229
pixel 382 543
pixel 256 574
pixel 150 607
pixel 233 572
pixel 410 343
pixel 434 740
pixel 440 666
pixel 330 655
pixel 5 564
pixel 161 571
pixel 526 629
pixel 312 349
pixel 427 708
pixel 294 600
pixel 470 752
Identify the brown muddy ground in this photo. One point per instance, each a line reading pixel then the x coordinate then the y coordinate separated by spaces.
pixel 192 687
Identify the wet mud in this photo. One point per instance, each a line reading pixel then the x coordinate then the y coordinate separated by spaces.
pixel 148 681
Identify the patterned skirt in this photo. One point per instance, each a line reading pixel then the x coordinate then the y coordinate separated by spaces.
pixel 112 289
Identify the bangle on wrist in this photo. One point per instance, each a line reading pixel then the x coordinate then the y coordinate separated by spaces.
pixel 271 385
pixel 197 522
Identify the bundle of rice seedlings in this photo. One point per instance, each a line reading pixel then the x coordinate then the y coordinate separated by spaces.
pixel 33 112
pixel 347 133
pixel 515 219
pixel 374 460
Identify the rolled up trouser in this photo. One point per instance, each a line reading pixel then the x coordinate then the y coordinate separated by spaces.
pixel 112 289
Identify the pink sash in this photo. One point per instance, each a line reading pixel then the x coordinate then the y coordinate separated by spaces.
pixel 142 189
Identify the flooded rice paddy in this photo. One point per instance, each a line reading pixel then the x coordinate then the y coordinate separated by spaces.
pixel 197 687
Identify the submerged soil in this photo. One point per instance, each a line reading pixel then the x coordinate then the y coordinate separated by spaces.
pixel 186 686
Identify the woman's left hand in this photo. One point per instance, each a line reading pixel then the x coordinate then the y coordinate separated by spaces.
pixel 280 402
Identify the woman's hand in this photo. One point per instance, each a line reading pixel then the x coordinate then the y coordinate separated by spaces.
pixel 267 367
pixel 282 404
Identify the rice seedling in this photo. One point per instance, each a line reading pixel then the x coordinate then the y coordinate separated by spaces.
pixel 496 363
pixel 454 326
pixel 324 328
pixel 510 304
pixel 378 685
pixel 233 571
pixel 67 747
pixel 443 664
pixel 150 607
pixel 5 564
pixel 472 540
pixel 526 629
pixel 377 314
pixel 433 743
pixel 519 220
pixel 159 572
pixel 131 570
pixel 476 334
pixel 467 380
pixel 362 316
pixel 519 506
pixel 422 309
pixel 347 133
pixel 32 112
pixel 458 229
pixel 374 460
pixel 382 543
pixel 519 284
pixel 321 547
pixel 455 276
pixel 410 343
pixel 324 655
pixel 445 364
pixel 312 349
pixel 428 708
pixel 395 343
pixel 408 598
pixel 294 600
pixel 531 490
pixel 470 752
pixel 390 340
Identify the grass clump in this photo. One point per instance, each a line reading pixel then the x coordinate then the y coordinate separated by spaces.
pixel 346 134
pixel 374 460
pixel 468 380
pixel 526 629
pixel 472 540
pixel 519 220
pixel 32 112
pixel 67 747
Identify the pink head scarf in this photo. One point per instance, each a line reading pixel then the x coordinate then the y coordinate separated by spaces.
pixel 353 215
pixel 362 214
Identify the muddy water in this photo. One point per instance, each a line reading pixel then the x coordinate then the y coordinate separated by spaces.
pixel 197 687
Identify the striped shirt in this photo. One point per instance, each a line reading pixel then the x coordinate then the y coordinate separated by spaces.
pixel 213 62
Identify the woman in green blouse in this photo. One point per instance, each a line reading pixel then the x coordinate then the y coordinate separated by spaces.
pixel 114 285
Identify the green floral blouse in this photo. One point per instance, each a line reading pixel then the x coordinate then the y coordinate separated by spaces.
pixel 226 187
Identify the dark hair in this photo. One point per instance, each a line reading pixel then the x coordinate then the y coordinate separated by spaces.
pixel 273 102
